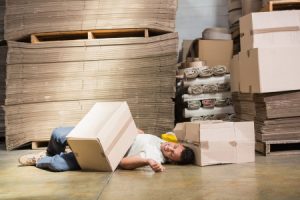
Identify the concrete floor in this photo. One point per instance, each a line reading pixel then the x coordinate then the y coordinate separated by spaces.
pixel 268 178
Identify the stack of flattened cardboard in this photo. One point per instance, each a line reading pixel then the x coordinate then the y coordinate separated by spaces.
pixel 278 116
pixel 2 9
pixel 3 50
pixel 266 74
pixel 51 84
pixel 26 17
pixel 244 106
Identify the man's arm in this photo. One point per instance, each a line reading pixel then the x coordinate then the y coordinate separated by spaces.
pixel 134 162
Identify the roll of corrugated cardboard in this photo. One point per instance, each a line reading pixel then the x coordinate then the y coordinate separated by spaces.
pixel 216 33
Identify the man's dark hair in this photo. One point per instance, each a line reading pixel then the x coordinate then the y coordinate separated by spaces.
pixel 187 156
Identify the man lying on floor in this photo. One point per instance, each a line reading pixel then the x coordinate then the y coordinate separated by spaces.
pixel 146 150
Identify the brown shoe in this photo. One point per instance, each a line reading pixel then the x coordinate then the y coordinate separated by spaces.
pixel 31 159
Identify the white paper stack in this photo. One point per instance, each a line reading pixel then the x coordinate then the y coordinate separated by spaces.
pixel 25 17
pixel 53 84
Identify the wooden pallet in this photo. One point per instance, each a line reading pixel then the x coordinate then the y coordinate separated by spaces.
pixel 94 34
pixel 39 144
pixel 282 147
pixel 282 5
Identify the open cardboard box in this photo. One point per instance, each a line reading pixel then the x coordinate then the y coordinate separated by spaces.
pixel 218 142
pixel 103 136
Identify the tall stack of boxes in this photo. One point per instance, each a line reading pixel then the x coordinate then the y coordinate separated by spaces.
pixel 266 73
pixel 131 57
pixel 205 92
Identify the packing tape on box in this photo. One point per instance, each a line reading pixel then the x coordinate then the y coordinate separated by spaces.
pixel 277 29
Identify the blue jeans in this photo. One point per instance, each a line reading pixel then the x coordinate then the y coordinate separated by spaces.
pixel 57 160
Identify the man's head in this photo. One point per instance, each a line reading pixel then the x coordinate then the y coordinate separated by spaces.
pixel 178 153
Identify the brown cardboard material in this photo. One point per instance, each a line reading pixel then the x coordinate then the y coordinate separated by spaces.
pixel 234 74
pixel 270 29
pixel 23 18
pixel 215 52
pixel 51 96
pixel 217 142
pixel 179 130
pixel 249 6
pixel 269 70
pixel 103 136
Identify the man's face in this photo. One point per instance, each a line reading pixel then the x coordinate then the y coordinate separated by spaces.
pixel 172 151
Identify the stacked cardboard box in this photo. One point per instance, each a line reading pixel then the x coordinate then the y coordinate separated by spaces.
pixel 52 84
pixel 103 136
pixel 266 72
pixel 218 142
pixel 26 17
pixel 3 50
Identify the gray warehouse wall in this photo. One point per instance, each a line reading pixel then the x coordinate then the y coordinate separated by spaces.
pixel 193 16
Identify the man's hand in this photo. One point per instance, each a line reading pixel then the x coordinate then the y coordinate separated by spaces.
pixel 134 162
pixel 157 167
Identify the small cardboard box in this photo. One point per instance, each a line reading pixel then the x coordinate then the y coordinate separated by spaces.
pixel 218 142
pixel 215 52
pixel 235 74
pixel 103 136
pixel 270 30
pixel 265 70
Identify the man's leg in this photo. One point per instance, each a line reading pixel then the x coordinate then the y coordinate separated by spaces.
pixel 59 163
pixel 58 140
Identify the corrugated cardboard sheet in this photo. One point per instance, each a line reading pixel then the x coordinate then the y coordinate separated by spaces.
pixel 53 84
pixel 277 115
pixel 26 17
pixel 3 51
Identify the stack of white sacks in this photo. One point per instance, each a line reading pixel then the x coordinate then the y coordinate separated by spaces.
pixel 207 86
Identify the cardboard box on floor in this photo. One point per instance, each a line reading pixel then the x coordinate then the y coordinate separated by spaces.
pixel 218 142
pixel 103 136
pixel 215 52
pixel 270 29
pixel 265 70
